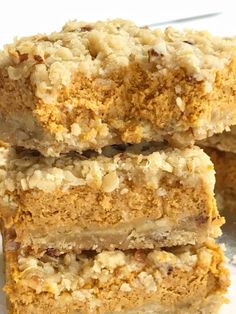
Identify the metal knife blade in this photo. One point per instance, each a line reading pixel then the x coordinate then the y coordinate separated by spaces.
pixel 186 19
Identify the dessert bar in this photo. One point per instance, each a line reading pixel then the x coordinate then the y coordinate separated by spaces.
pixel 125 201
pixel 96 84
pixel 190 279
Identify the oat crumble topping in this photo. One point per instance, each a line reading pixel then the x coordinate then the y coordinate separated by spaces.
pixel 82 274
pixel 50 61
pixel 28 171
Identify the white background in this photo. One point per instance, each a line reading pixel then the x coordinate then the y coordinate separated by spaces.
pixel 27 17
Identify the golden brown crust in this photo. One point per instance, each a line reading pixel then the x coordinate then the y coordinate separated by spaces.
pixel 159 85
pixel 44 304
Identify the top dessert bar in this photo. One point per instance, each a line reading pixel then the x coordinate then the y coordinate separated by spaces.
pixel 92 85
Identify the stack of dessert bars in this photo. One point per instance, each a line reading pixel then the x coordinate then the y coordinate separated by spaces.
pixel 106 204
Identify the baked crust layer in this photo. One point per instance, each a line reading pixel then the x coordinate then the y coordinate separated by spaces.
pixel 126 201
pixel 93 85
pixel 185 279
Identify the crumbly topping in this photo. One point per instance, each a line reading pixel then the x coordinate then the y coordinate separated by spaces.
pixel 85 273
pixel 24 171
pixel 3 156
pixel 93 85
pixel 111 260
pixel 96 49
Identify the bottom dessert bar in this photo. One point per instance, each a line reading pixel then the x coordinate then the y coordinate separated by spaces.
pixel 225 166
pixel 189 279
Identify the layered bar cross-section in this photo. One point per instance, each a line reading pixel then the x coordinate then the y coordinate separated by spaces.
pixel 125 201
pixel 190 279
pixel 96 84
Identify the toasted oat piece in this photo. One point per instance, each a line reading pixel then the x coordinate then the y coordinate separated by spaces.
pixel 93 85
pixel 224 142
pixel 176 281
pixel 225 166
pixel 127 201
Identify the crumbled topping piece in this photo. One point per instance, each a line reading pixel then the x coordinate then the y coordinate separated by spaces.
pixel 205 258
pixel 110 182
pixel 178 89
pixel 180 104
pixel 75 129
pixel 147 281
pixel 111 260
pixel 125 287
